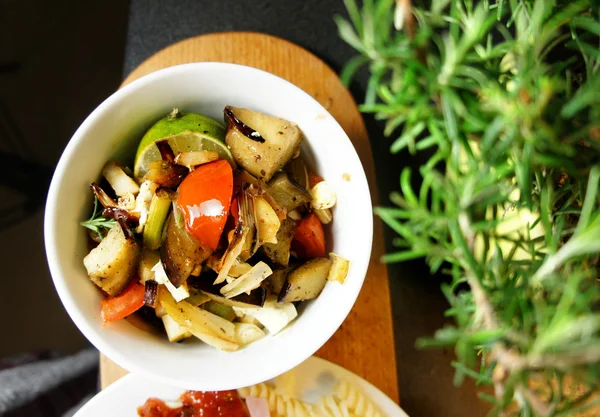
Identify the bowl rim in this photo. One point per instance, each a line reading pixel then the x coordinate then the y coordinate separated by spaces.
pixel 60 282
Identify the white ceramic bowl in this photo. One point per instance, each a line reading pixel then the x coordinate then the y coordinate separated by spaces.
pixel 113 131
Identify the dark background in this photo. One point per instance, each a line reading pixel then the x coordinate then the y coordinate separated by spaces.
pixel 59 59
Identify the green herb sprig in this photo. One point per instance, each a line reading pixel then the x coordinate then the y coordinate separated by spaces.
pixel 97 223
pixel 505 98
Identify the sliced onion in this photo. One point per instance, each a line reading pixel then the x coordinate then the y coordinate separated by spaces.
pixel 233 251
pixel 273 315
pixel 247 282
pixel 239 269
pixel 255 299
pixel 258 187
pixel 339 268
pixel 267 223
pixel 246 333
pixel 241 235
pixel 279 210
pixel 206 326
pixel 214 263
pixel 248 219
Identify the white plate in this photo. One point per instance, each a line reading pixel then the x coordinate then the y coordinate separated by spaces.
pixel 315 377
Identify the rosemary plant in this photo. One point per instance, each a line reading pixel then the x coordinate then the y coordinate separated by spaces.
pixel 505 98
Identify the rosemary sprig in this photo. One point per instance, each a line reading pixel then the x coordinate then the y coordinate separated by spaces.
pixel 505 99
pixel 97 223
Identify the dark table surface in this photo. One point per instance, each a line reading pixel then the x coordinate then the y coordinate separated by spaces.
pixel 425 377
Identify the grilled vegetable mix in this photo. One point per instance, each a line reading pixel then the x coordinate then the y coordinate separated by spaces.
pixel 218 232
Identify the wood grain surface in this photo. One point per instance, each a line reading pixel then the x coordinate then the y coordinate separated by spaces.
pixel 364 344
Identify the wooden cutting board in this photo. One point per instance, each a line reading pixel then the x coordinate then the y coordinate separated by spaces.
pixel 364 344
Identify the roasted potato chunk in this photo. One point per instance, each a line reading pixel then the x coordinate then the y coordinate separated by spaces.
pixel 113 263
pixel 261 144
pixel 307 281
pixel 275 282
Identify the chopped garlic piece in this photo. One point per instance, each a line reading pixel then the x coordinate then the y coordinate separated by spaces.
pixel 323 196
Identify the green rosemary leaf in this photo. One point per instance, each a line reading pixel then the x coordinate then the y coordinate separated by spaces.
pixel 587 23
pixel 97 223
pixel 408 139
pixel 378 70
pixel 403 256
pixel 406 187
pixel 351 67
pixel 471 373
pixel 348 34
pixel 354 14
pixel 590 200
pixel 487 397
pixel 588 50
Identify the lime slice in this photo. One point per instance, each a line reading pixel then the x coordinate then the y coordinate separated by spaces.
pixel 189 132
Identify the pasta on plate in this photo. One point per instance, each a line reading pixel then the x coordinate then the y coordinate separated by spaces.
pixel 346 401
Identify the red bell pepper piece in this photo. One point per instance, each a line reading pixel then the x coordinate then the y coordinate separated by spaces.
pixel 309 239
pixel 205 199
pixel 124 304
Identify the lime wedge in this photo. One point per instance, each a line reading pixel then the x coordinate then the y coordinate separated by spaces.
pixel 189 132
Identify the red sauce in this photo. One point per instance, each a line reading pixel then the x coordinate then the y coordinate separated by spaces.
pixel 198 404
